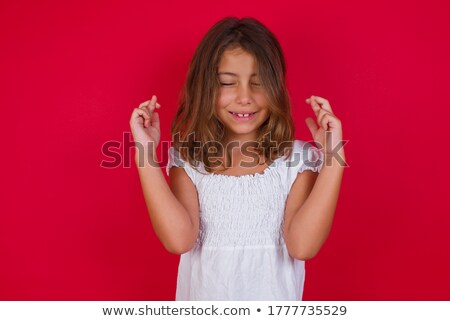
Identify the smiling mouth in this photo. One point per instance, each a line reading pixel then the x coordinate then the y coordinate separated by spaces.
pixel 242 115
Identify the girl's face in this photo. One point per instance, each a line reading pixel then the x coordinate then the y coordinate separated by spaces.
pixel 240 93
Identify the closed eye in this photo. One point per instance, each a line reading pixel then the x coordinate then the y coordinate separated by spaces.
pixel 224 84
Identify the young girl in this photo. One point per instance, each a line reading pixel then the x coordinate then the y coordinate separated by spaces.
pixel 246 204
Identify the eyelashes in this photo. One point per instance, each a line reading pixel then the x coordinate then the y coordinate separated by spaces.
pixel 226 84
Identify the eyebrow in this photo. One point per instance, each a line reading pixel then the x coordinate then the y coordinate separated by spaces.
pixel 233 74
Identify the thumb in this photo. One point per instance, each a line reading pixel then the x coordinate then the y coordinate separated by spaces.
pixel 155 120
pixel 311 125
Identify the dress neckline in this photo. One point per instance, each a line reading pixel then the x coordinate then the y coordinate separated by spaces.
pixel 254 175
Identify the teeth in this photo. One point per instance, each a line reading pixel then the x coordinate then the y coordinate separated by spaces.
pixel 243 115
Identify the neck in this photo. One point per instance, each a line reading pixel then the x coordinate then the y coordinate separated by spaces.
pixel 239 140
pixel 239 148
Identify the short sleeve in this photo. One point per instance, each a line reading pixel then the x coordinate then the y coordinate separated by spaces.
pixel 310 157
pixel 304 156
pixel 175 159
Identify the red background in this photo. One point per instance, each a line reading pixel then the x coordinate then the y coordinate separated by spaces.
pixel 72 73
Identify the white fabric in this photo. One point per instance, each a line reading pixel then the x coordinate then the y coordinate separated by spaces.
pixel 240 253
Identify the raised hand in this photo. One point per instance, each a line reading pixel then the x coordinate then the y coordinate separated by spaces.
pixel 144 124
pixel 328 123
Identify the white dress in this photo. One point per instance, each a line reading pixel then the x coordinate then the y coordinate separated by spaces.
pixel 240 253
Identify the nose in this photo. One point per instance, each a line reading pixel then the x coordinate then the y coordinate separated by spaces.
pixel 244 95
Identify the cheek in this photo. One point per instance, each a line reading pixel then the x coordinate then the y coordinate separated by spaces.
pixel 261 99
pixel 225 98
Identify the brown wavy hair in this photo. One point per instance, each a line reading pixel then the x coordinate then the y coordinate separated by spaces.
pixel 196 130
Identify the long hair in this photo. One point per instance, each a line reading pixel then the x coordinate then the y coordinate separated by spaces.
pixel 196 129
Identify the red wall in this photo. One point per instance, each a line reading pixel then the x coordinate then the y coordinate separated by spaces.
pixel 72 73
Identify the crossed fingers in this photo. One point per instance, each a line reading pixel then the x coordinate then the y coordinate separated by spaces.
pixel 149 106
pixel 321 107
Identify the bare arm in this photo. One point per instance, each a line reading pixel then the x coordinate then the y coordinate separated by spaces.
pixel 173 212
pixel 310 209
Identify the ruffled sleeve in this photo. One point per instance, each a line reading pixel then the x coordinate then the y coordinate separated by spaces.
pixel 304 156
pixel 175 159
